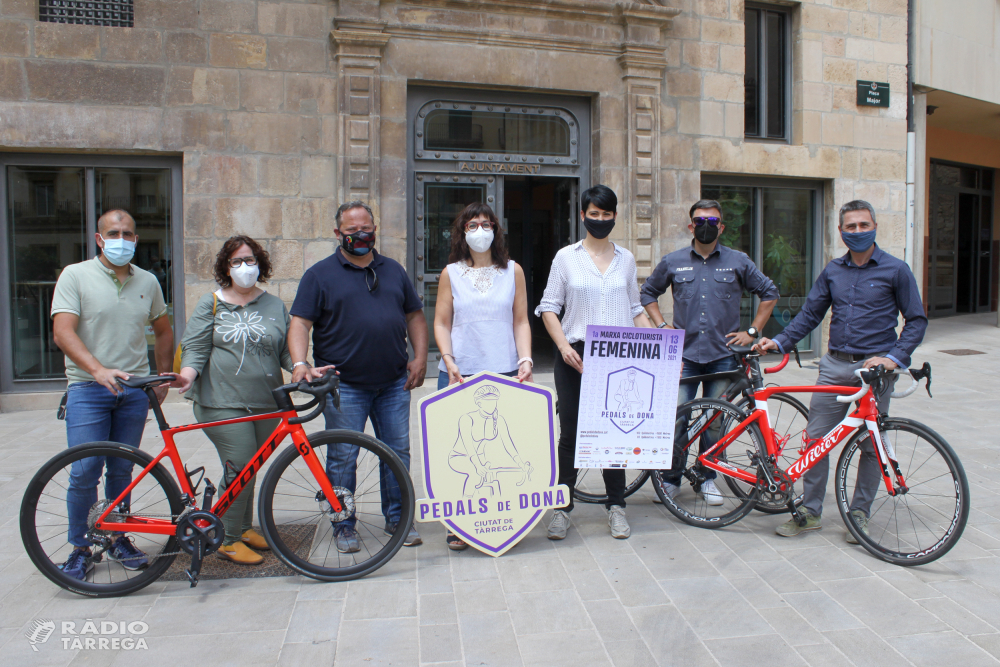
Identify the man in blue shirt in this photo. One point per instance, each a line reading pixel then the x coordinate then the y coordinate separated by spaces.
pixel 707 280
pixel 867 288
pixel 364 307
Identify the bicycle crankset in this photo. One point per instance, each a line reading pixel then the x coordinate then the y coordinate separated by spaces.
pixel 199 533
pixel 346 499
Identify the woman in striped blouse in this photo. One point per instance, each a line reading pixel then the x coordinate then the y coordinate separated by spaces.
pixel 595 281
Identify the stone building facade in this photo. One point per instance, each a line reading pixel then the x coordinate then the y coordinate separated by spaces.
pixel 275 112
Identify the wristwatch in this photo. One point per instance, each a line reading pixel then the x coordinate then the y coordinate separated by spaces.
pixel 753 332
pixel 661 325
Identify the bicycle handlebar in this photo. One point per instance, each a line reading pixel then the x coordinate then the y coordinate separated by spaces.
pixel 318 389
pixel 778 367
pixel 866 374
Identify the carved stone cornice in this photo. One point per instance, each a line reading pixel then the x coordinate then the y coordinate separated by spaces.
pixel 359 38
pixel 642 61
pixel 581 10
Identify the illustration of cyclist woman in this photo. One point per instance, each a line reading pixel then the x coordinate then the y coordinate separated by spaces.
pixel 628 394
pixel 484 447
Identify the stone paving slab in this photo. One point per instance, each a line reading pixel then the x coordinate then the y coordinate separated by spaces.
pixel 670 595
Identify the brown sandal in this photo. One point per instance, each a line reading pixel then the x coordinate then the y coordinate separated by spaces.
pixel 455 543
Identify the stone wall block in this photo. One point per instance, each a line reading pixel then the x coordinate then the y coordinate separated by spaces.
pixel 188 48
pixel 723 32
pixel 209 173
pixel 807 127
pixel 167 14
pixel 732 59
pixel 858 5
pixel 261 91
pixel 880 132
pixel 893 29
pixel 199 217
pixel 257 217
pixel 701 56
pixel 293 20
pixel 89 82
pixel 823 19
pixel 318 178
pixel 12 86
pixel 69 41
pixel 228 15
pixel 735 119
pixel 296 55
pixel 815 96
pixel 197 86
pixel 72 126
pixel 14 38
pixel 860 49
pixel 287 259
pixel 715 8
pixel 677 151
pixel 265 133
pixel 883 165
pixel 869 71
pixel 313 94
pixel 199 258
pixel 194 129
pixel 875 193
pixel 681 83
pixel 240 51
pixel 834 45
pixel 279 175
pixel 890 53
pixel 302 218
pixel 838 129
pixel 286 292
pixel 725 87
pixel 312 135
pixel 132 45
pixel 21 9
pixel 894 7
pixel 836 70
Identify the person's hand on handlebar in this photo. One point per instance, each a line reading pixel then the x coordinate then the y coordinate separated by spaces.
pixel 888 363
pixel 765 345
pixel 310 374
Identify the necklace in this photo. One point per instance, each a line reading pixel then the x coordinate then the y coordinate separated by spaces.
pixel 611 246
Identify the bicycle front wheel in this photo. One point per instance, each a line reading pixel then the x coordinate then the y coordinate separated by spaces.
pixel 69 493
pixel 701 423
pixel 590 484
pixel 298 521
pixel 911 528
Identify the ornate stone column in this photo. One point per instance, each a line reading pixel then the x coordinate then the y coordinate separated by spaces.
pixel 358 46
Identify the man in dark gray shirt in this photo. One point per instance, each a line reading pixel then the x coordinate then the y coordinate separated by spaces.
pixel 708 281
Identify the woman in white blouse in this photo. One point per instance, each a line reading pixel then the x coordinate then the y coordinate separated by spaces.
pixel 595 282
pixel 481 315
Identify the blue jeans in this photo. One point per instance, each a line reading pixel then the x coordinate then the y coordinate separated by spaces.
pixel 94 414
pixel 389 410
pixel 443 378
pixel 687 392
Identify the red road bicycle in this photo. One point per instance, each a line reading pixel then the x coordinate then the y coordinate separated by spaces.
pixel 908 507
pixel 301 496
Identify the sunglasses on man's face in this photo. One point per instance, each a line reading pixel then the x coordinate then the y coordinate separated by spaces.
pixel 699 221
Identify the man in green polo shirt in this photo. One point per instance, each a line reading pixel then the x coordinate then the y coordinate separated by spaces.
pixel 100 310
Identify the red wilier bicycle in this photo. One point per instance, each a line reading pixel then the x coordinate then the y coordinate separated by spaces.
pixel 913 487
pixel 303 493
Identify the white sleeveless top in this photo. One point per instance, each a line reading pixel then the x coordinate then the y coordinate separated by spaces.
pixel 482 330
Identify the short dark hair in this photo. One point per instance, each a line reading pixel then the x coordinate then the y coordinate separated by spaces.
pixel 856 205
pixel 704 204
pixel 233 244
pixel 600 196
pixel 114 214
pixel 460 249
pixel 357 203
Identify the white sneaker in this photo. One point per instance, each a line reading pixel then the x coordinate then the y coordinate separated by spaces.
pixel 619 524
pixel 559 525
pixel 710 492
pixel 669 490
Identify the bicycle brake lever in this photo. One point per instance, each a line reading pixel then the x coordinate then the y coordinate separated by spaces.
pixel 926 370
pixel 795 350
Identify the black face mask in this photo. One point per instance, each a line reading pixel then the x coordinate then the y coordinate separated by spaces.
pixel 358 243
pixel 599 229
pixel 706 233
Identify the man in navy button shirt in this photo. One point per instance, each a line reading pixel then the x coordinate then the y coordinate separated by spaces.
pixel 707 280
pixel 363 306
pixel 867 289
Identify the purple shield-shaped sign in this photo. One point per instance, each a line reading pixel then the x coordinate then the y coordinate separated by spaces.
pixel 629 397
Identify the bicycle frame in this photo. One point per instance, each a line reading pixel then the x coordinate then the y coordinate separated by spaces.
pixel 865 413
pixel 139 524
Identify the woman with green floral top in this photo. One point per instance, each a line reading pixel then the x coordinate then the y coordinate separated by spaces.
pixel 233 350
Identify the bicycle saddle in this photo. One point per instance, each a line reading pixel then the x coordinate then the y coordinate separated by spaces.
pixel 150 381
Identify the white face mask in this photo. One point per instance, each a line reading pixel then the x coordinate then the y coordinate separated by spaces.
pixel 244 276
pixel 480 240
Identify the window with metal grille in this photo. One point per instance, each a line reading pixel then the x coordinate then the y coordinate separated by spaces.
pixel 117 14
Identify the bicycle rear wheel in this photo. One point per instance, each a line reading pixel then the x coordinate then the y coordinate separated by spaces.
pixel 45 521
pixel 590 484
pixel 915 527
pixel 296 518
pixel 689 503
pixel 788 421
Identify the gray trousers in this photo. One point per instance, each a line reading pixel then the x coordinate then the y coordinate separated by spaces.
pixel 825 412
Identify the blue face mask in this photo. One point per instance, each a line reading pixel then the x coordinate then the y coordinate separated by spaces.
pixel 118 251
pixel 859 241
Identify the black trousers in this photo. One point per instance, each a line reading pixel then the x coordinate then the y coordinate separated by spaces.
pixel 568 391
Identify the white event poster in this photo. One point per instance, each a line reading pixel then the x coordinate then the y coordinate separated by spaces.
pixel 628 397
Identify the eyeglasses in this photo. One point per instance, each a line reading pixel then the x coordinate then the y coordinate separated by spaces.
pixel 235 262
pixel 472 225
pixel 698 222
pixel 371 286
